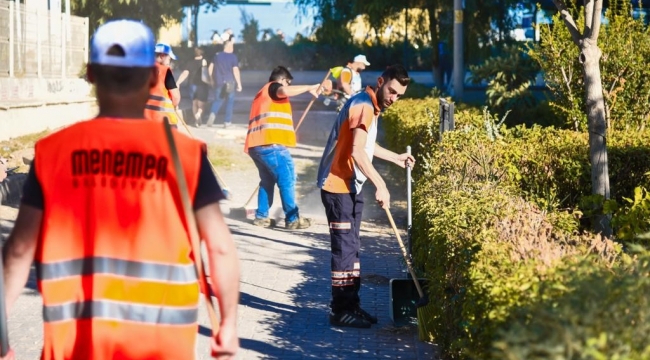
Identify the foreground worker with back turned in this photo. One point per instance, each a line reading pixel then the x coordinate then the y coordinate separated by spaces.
pixel 344 167
pixel 102 218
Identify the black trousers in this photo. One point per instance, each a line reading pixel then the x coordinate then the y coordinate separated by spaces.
pixel 344 217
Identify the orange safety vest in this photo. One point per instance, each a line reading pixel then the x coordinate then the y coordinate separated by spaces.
pixel 271 121
pixel 160 103
pixel 114 260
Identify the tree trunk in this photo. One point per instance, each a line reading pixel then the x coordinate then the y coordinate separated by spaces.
pixel 595 103
pixel 434 20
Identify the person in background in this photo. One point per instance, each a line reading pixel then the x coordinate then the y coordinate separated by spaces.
pixel 224 71
pixel 198 89
pixel 350 79
pixel 165 95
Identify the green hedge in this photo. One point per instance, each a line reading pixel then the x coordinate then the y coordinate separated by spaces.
pixel 605 314
pixel 533 158
pixel 496 230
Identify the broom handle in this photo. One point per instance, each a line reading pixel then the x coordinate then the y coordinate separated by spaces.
pixel 214 170
pixel 4 330
pixel 409 222
pixel 192 226
pixel 252 195
pixel 406 257
pixel 312 100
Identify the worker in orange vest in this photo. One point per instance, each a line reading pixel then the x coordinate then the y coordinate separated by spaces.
pixel 165 96
pixel 270 134
pixel 100 219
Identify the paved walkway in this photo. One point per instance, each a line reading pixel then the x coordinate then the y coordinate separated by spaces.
pixel 285 282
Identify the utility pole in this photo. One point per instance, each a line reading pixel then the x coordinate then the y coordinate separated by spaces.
pixel 459 65
pixel 406 35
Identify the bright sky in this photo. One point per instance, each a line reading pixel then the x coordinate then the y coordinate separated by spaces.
pixel 281 14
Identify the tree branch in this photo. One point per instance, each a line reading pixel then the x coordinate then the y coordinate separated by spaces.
pixel 568 20
pixel 597 19
pixel 589 16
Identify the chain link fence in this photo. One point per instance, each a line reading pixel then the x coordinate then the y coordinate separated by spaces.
pixel 37 43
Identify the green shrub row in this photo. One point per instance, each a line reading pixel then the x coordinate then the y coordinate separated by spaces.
pixel 551 166
pixel 497 232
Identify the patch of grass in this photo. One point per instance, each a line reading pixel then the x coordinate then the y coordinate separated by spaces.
pixel 223 157
pixel 11 146
pixel 7 147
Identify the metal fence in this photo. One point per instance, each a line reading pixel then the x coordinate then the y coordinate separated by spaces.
pixel 35 42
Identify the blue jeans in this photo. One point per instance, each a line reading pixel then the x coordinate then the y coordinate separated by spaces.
pixel 218 101
pixel 275 166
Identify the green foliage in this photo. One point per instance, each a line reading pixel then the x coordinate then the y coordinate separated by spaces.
pixel 417 123
pixel 625 46
pixel 480 17
pixel 509 77
pixel 251 27
pixel 632 218
pixel 496 233
pixel 418 91
pixel 484 249
pixel 154 13
pixel 603 314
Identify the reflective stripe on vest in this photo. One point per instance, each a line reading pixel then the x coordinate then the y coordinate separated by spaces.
pixel 160 104
pixel 120 311
pixel 270 121
pixel 274 114
pixel 100 265
pixel 271 126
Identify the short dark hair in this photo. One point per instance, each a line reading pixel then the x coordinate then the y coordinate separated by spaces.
pixel 120 80
pixel 279 73
pixel 398 72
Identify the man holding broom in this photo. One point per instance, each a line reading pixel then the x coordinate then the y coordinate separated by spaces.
pixel 270 134
pixel 344 167
pixel 101 219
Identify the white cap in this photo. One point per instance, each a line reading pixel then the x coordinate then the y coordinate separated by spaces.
pixel 134 38
pixel 361 59
pixel 162 48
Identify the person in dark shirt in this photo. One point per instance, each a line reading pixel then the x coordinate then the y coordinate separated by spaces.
pixel 224 71
pixel 198 89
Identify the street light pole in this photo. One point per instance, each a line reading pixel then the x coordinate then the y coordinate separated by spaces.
pixel 459 67
pixel 406 35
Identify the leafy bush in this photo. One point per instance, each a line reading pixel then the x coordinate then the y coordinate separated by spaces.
pixel 496 229
pixel 509 77
pixel 416 122
pixel 603 314
pixel 483 248
pixel 625 45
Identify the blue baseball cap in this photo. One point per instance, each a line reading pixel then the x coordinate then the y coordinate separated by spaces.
pixel 134 38
pixel 162 48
